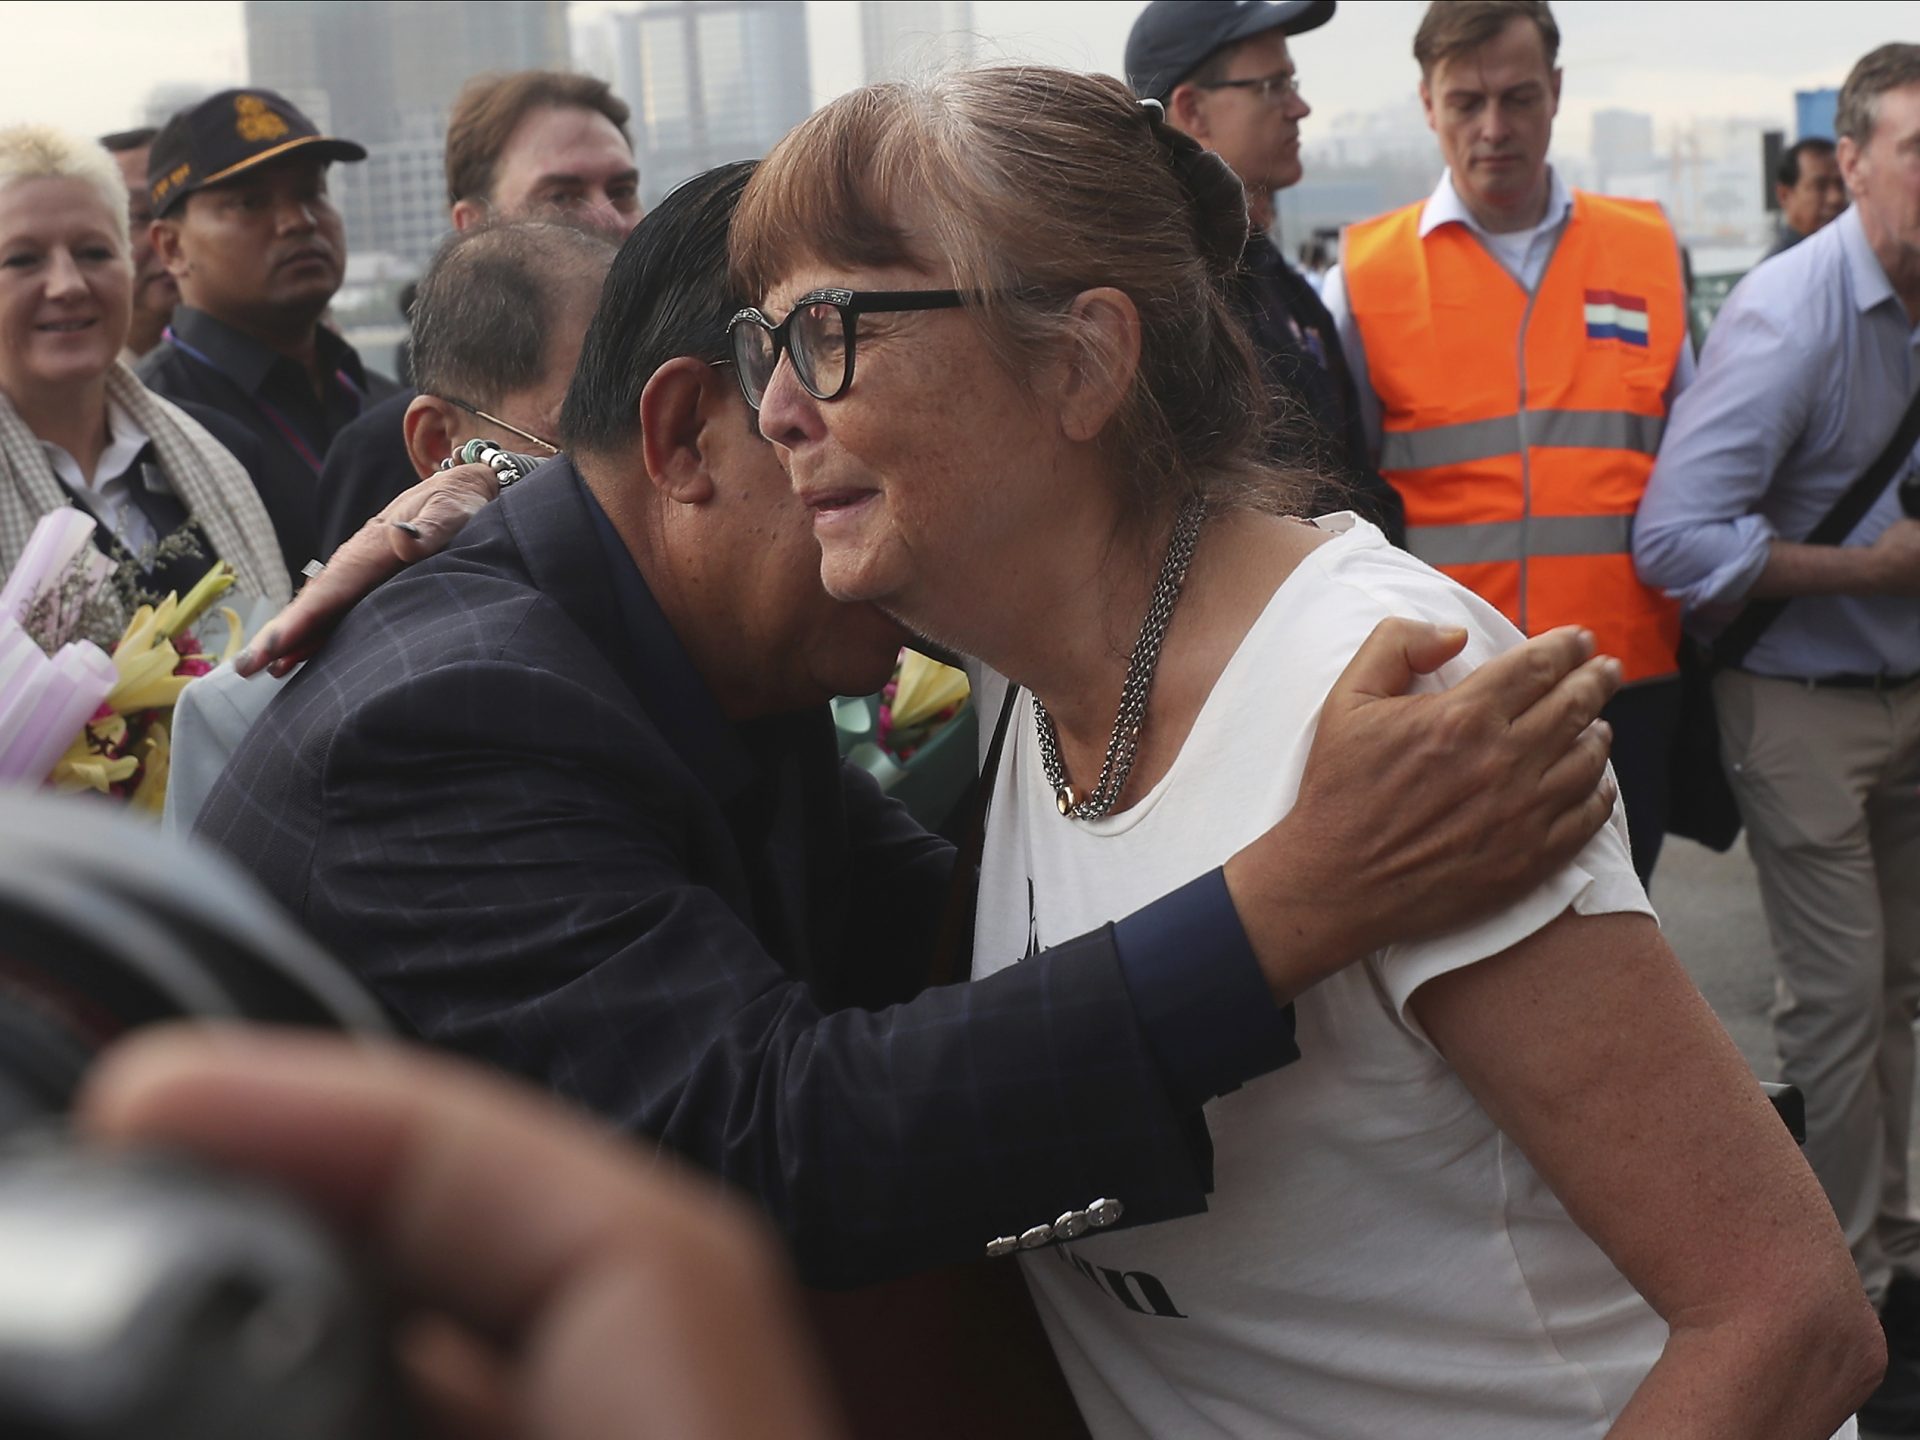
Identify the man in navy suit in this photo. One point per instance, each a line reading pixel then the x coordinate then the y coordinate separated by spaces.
pixel 567 796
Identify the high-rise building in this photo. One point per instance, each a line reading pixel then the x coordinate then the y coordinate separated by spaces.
pixel 384 73
pixel 709 81
pixel 899 38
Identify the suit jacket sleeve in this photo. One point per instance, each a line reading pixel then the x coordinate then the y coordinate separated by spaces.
pixel 516 865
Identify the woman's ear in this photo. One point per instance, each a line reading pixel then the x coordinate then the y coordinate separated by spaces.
pixel 431 428
pixel 674 415
pixel 1102 358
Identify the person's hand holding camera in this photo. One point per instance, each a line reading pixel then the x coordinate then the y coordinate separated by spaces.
pixel 552 1285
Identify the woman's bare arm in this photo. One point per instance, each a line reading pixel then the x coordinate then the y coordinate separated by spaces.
pixel 1591 1048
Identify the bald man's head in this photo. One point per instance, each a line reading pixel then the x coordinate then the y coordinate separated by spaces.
pixel 497 326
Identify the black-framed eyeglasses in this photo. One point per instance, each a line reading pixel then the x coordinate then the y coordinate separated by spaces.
pixel 479 414
pixel 1274 89
pixel 817 336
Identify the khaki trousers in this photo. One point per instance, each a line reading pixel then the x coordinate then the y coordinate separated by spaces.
pixel 1828 784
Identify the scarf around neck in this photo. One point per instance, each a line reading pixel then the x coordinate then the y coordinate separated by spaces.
pixel 218 494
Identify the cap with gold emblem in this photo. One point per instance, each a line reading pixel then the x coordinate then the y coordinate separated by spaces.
pixel 228 134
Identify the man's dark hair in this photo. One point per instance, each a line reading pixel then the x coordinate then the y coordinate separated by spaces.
pixel 667 296
pixel 121 141
pixel 1787 172
pixel 484 314
pixel 490 108
pixel 1451 27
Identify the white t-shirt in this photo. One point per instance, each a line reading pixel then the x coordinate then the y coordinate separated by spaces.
pixel 1378 1259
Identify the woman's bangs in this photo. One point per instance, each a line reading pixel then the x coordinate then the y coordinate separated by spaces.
pixel 826 193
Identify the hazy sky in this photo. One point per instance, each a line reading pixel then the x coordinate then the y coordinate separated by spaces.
pixel 88 66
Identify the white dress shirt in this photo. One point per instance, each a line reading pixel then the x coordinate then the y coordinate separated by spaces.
pixel 107 494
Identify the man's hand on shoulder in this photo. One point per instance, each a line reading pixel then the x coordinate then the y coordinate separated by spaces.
pixel 415 524
pixel 1420 813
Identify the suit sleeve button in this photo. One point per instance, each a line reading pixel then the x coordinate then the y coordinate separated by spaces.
pixel 1004 1245
pixel 1070 1225
pixel 1036 1237
pixel 1104 1212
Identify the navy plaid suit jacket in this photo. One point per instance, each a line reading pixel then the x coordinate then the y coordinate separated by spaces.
pixel 502 796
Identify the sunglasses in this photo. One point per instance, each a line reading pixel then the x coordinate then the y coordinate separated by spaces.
pixel 817 336
pixel 479 414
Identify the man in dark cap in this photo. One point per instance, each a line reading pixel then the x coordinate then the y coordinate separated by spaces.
pixel 1225 76
pixel 243 222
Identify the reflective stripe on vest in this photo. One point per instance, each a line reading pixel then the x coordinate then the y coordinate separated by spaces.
pixel 1559 429
pixel 1443 545
pixel 1520 427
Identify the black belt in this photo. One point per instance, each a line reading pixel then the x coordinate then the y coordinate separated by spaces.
pixel 1842 682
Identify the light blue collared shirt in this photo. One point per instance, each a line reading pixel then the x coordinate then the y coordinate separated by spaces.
pixel 1805 373
pixel 1523 254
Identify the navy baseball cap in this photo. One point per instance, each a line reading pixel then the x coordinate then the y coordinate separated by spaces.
pixel 226 134
pixel 1171 38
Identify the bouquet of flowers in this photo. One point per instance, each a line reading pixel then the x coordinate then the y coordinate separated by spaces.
pixel 79 709
pixel 918 703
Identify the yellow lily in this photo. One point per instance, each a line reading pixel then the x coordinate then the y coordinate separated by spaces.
pixel 230 619
pixel 157 755
pixel 210 587
pixel 87 766
pixel 926 688
pixel 146 661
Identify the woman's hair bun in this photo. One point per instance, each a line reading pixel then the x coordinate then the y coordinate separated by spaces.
pixel 1216 199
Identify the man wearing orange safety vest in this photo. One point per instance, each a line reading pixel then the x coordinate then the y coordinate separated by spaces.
pixel 1516 346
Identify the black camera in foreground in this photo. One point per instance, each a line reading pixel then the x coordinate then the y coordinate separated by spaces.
pixel 141 1295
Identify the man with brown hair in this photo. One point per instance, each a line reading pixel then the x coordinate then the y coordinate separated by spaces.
pixel 541 143
pixel 1803 384
pixel 531 145
pixel 1516 345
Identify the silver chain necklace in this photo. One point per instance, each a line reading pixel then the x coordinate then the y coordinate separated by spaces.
pixel 1124 744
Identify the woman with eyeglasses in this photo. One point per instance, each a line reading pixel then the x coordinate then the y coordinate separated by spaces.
pixel 1520 1184
pixel 76 426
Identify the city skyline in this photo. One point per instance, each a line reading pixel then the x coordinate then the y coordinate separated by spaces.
pixel 706 81
pixel 1754 66
pixel 718 79
pixel 387 75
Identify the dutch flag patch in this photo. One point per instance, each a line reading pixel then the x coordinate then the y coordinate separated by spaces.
pixel 1614 316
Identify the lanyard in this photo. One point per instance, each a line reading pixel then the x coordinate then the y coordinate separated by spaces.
pixel 272 414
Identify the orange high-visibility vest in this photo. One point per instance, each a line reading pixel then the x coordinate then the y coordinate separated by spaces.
pixel 1521 430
